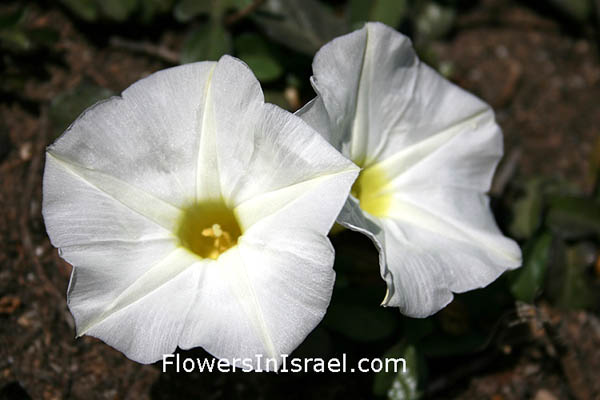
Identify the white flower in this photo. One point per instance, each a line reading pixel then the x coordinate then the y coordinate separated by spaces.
pixel 428 151
pixel 195 215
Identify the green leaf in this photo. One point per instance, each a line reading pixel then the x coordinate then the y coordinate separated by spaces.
pixel 265 67
pixel 360 11
pixel 150 8
pixel 572 289
pixel 302 25
pixel 527 210
pixel 208 42
pixel 254 51
pixel 530 278
pixel 186 10
pixel 84 9
pixel 574 217
pixel 278 98
pixel 390 12
pixel 118 10
pixel 16 39
pixel 402 385
pixel 67 106
pixel 250 43
pixel 239 4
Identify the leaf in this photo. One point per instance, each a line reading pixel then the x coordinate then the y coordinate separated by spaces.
pixel 571 288
pixel 530 278
pixel 303 25
pixel 278 98
pixel 149 8
pixel 186 10
pixel 16 39
pixel 250 43
pixel 84 9
pixel 209 42
pixel 390 12
pixel 254 51
pixel 118 10
pixel 527 210
pixel 65 107
pixel 401 385
pixel 574 217
pixel 360 11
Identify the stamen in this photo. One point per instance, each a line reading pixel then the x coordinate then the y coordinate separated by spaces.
pixel 199 233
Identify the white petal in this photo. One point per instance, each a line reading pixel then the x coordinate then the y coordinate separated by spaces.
pixel 66 173
pixel 463 155
pixel 261 299
pixel 337 81
pixel 427 266
pixel 314 203
pixel 77 213
pixel 113 249
pixel 261 147
pixel 114 187
pixel 147 319
pixel 149 137
pixel 438 147
pixel 315 114
pixel 387 100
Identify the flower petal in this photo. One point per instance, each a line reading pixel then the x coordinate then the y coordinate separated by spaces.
pixel 148 318
pixel 437 146
pixel 262 148
pixel 148 137
pixel 273 288
pixel 115 188
pixel 428 265
pixel 116 253
pixel 287 185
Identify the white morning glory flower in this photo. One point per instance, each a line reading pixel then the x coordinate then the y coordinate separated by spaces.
pixel 428 151
pixel 195 214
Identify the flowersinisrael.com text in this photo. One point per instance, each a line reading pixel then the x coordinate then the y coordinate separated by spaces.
pixel 335 365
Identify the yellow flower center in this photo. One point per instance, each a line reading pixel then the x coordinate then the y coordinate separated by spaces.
pixel 208 229
pixel 371 190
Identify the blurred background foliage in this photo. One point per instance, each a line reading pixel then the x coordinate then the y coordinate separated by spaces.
pixel 556 221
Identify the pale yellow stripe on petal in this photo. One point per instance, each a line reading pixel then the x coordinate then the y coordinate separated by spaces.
pixel 143 203
pixel 169 267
